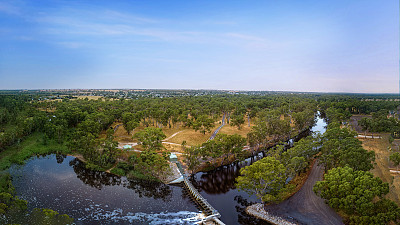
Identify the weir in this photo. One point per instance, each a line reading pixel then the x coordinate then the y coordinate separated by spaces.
pixel 212 214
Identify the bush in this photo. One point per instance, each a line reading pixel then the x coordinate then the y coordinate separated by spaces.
pixel 118 171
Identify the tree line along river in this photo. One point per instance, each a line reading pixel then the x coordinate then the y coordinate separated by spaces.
pixel 62 183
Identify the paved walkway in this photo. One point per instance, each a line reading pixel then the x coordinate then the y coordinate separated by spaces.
pixel 219 128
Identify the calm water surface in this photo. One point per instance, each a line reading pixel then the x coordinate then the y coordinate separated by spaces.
pixel 91 197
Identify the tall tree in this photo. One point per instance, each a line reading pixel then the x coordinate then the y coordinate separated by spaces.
pixel 151 138
pixel 265 178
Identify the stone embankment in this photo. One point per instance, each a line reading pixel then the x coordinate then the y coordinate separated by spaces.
pixel 257 210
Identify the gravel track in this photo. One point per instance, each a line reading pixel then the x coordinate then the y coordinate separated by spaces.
pixel 305 207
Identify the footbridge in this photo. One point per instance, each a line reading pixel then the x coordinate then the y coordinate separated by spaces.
pixel 211 215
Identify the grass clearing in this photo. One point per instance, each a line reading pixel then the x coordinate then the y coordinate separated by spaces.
pixel 191 137
pixel 230 130
pixel 382 164
pixel 173 147
pixel 30 146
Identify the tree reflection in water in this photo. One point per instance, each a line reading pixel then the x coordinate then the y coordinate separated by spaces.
pixel 243 217
pixel 151 189
pixel 98 179
pixel 222 179
pixel 60 158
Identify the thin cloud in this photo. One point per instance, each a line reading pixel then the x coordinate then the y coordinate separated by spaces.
pixel 73 45
pixel 245 37
pixel 9 9
pixel 115 15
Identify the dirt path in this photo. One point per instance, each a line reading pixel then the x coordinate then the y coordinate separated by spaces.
pixel 305 206
pixel 166 139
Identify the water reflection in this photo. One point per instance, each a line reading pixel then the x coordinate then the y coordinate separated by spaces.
pixel 96 179
pixel 92 197
pixel 222 179
pixel 150 189
pixel 243 217
pixel 218 186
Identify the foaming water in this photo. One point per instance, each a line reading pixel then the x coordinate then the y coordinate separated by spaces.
pixel 118 217
pixel 91 197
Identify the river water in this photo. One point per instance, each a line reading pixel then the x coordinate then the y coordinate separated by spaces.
pixel 91 197
pixel 62 183
pixel 218 186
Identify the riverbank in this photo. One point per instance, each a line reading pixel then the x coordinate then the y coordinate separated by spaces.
pixel 257 210
pixel 297 182
pixel 305 207
pixel 206 165
pixel 34 144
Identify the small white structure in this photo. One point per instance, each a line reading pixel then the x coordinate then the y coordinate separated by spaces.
pixel 126 147
pixel 173 158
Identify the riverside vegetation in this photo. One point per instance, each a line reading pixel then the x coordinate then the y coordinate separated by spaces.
pixel 348 187
pixel 32 125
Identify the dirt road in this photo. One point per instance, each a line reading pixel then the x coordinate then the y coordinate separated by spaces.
pixel 305 206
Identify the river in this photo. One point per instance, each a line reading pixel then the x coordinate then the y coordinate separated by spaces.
pixel 218 186
pixel 62 183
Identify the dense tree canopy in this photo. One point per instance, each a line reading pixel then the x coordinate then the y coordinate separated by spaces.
pixel 265 178
pixel 354 191
pixel 340 148
pixel 151 138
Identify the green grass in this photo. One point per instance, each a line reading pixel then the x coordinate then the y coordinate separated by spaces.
pixel 32 145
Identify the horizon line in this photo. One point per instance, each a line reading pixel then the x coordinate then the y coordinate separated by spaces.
pixel 201 89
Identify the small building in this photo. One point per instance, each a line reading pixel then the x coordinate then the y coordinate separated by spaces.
pixel 173 158
pixel 126 147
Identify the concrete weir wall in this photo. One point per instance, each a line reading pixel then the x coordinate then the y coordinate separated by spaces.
pixel 257 210
pixel 211 213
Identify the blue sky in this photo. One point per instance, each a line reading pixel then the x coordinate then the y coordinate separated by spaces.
pixel 328 46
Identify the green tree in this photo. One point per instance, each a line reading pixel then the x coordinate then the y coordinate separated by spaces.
pixel 131 125
pixel 237 120
pixel 296 164
pixel 303 119
pixel 154 164
pixel 340 148
pixel 151 138
pixel 203 124
pixel 359 195
pixel 192 157
pixel 395 158
pixel 48 217
pixel 350 190
pixel 265 178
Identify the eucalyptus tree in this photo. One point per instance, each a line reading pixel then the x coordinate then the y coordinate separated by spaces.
pixel 265 179
pixel 358 194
